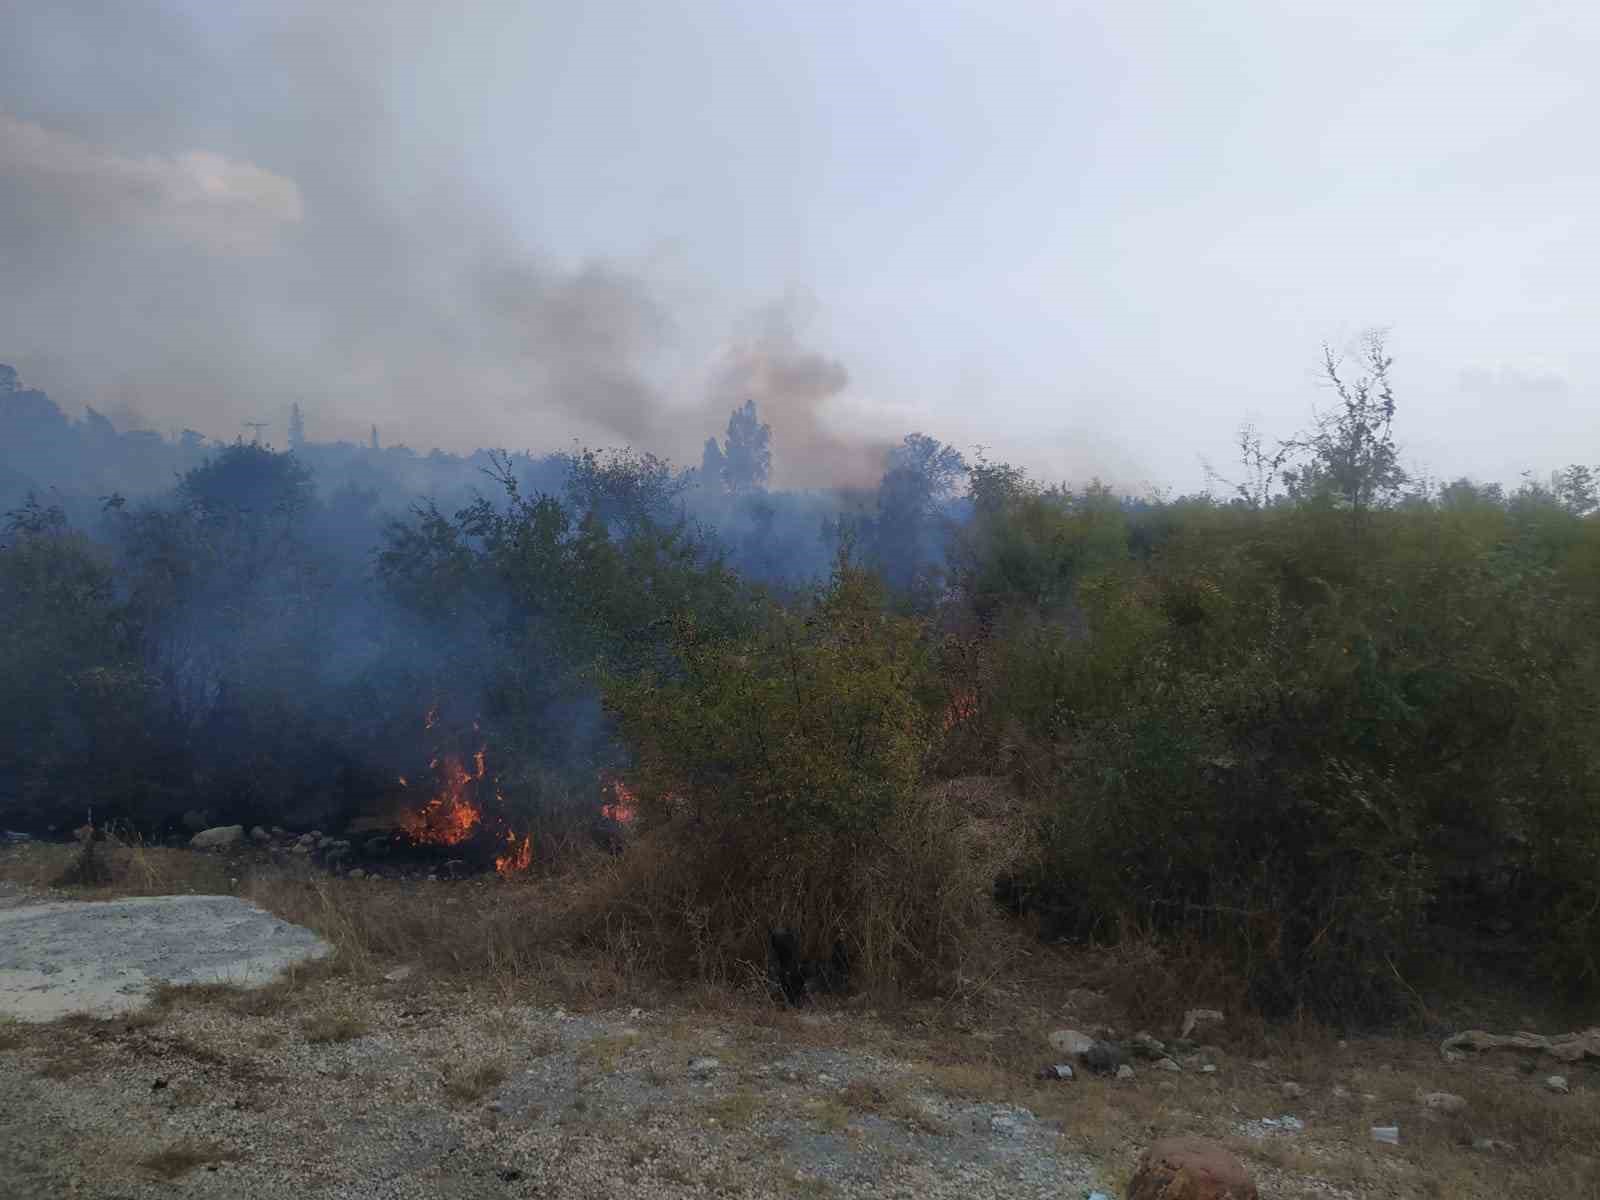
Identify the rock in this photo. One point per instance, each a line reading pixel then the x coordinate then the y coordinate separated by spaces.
pixel 1491 1145
pixel 1190 1168
pixel 1445 1102
pixel 356 873
pixel 278 831
pixel 1103 1058
pixel 301 848
pixel 195 820
pixel 1291 1090
pixel 1196 1017
pixel 1208 1068
pixel 1070 1042
pixel 1168 1064
pixel 1567 1047
pixel 307 840
pixel 1124 1072
pixel 1005 1125
pixel 1057 1071
pixel 218 838
pixel 701 1068
pixel 260 835
pixel 1556 1084
pixel 1145 1046
pixel 1389 1135
pixel 402 972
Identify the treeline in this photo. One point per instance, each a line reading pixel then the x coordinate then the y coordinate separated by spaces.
pixel 1323 728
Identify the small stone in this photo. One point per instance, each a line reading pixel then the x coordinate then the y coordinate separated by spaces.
pixel 1341 1093
pixel 1168 1064
pixel 1208 1068
pixel 1124 1071
pixel 218 838
pixel 1196 1017
pixel 1193 1168
pixel 1070 1042
pixel 700 1068
pixel 1556 1084
pixel 1005 1124
pixel 278 831
pixel 1166 1085
pixel 1445 1102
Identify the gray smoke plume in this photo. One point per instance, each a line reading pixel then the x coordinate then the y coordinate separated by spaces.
pixel 204 219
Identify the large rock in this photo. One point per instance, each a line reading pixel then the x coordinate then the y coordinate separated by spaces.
pixel 1190 1168
pixel 1567 1047
pixel 1070 1042
pixel 218 838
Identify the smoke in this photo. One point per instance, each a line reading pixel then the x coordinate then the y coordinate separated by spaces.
pixel 791 384
pixel 205 218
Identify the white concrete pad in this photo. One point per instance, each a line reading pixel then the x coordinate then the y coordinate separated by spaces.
pixel 105 957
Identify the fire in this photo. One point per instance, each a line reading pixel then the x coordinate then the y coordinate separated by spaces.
pixel 963 706
pixel 624 805
pixel 456 812
pixel 449 818
pixel 518 856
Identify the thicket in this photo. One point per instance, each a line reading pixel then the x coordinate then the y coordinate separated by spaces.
pixel 1326 728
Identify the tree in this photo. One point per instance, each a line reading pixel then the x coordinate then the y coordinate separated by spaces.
pixel 297 428
pixel 1576 489
pixel 1352 460
pixel 747 451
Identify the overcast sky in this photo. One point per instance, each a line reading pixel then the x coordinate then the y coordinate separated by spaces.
pixel 1093 237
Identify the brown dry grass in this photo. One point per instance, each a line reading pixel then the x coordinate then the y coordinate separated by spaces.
pixel 334 1025
pixel 470 1083
pixel 178 1159
pixel 132 869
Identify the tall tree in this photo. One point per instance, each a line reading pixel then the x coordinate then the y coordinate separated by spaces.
pixel 297 427
pixel 747 451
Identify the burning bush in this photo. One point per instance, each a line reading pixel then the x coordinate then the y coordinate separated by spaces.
pixel 779 786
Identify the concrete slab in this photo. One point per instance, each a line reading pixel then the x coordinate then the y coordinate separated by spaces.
pixel 105 957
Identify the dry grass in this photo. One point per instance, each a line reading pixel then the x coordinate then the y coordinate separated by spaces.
pixel 472 1083
pixel 736 1111
pixel 604 1054
pixel 11 1035
pixel 178 1159
pixel 126 867
pixel 334 1025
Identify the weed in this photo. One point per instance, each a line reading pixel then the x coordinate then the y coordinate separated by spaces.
pixel 471 1083
pixel 334 1025
pixel 180 1158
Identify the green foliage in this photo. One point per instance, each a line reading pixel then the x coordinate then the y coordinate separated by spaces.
pixel 810 724
pixel 1308 742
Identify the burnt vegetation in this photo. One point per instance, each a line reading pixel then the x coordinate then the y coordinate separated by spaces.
pixel 1329 725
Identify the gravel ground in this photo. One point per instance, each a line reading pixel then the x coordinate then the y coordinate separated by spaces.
pixel 599 1105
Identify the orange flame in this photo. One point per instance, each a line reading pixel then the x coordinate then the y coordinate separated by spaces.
pixel 963 706
pixel 624 806
pixel 519 856
pixel 449 818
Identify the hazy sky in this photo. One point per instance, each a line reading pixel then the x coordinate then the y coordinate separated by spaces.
pixel 1092 237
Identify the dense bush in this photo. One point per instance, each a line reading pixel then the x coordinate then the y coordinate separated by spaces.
pixel 781 774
